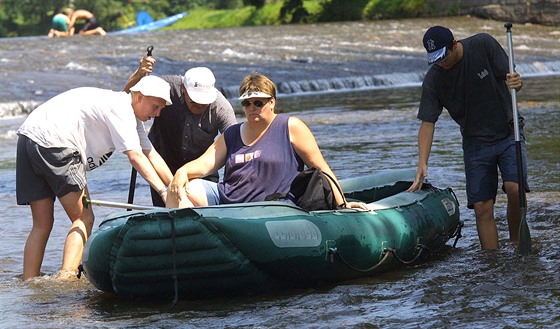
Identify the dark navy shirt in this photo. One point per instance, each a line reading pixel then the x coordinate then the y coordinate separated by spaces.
pixel 180 136
pixel 473 91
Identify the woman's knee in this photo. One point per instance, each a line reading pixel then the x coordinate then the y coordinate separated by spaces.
pixel 196 192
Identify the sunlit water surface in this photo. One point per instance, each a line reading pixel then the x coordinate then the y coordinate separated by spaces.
pixel 364 122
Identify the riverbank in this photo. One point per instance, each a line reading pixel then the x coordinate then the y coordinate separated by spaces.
pixel 34 19
pixel 516 11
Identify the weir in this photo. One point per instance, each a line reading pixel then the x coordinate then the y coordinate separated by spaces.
pixel 347 84
pixel 384 81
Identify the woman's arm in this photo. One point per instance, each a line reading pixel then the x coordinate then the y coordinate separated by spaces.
pixel 306 147
pixel 212 160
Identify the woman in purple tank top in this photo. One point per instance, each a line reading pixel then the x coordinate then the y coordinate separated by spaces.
pixel 261 156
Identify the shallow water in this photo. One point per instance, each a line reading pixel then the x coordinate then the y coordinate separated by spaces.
pixel 359 129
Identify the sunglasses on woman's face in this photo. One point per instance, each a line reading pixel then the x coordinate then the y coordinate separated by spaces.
pixel 257 103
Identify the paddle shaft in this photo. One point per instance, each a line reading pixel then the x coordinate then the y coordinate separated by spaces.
pixel 133 173
pixel 524 234
pixel 128 206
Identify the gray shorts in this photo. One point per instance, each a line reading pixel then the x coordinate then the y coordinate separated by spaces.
pixel 46 172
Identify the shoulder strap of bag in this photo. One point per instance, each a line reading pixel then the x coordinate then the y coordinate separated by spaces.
pixel 343 204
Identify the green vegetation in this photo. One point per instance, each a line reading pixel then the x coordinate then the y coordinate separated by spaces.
pixel 269 14
pixel 395 8
pixel 33 17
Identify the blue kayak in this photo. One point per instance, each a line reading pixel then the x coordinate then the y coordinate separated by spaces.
pixel 155 25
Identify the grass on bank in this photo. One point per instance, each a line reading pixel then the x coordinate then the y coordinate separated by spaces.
pixel 247 16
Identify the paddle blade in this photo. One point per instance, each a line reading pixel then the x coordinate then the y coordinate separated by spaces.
pixel 524 235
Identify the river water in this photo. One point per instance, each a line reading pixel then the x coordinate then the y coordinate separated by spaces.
pixel 357 86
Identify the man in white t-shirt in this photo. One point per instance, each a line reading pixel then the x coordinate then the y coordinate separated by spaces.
pixel 70 134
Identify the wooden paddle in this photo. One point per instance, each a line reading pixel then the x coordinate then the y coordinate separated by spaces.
pixel 133 173
pixel 524 235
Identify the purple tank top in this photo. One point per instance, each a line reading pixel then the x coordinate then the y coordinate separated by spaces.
pixel 253 172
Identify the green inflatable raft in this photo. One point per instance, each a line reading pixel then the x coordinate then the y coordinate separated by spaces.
pixel 267 246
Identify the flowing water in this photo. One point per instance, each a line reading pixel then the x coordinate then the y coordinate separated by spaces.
pixel 357 86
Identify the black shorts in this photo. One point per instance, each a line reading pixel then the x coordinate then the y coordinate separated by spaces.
pixel 91 24
pixel 46 172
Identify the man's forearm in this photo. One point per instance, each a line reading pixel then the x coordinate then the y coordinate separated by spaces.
pixel 132 80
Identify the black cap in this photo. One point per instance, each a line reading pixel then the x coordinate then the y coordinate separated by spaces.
pixel 436 40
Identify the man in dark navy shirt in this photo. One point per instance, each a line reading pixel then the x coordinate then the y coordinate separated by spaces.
pixel 185 129
pixel 471 79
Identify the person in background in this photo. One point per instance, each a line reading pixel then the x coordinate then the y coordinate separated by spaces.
pixel 61 24
pixel 67 136
pixel 261 156
pixel 190 125
pixel 91 26
pixel 471 79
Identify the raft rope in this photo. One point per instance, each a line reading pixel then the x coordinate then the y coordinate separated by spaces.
pixel 457 233
pixel 174 257
pixel 333 253
pixel 80 271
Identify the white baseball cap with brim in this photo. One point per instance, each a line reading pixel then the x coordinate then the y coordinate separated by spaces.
pixel 254 94
pixel 154 86
pixel 199 82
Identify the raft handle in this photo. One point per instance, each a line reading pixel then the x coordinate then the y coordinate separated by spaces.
pixel 421 247
pixel 333 253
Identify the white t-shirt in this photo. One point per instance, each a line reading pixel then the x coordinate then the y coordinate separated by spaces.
pixel 96 122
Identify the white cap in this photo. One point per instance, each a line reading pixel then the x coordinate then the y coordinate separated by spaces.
pixel 254 94
pixel 150 85
pixel 199 82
